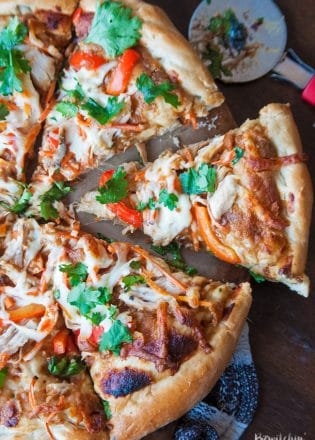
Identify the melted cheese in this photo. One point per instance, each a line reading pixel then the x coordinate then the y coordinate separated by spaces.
pixel 224 196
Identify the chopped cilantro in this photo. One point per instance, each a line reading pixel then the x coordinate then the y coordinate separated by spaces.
pixel 55 193
pixel 12 61
pixel 67 109
pixel 77 94
pixel 107 410
pixel 151 204
pixel 257 277
pixel 135 265
pixel 103 237
pixel 85 298
pixel 169 200
pixel 116 335
pixel 198 182
pixel 151 91
pixel 3 375
pixel 77 273
pixel 4 111
pixel 57 294
pixel 96 317
pixel 131 280
pixel 176 259
pixel 103 114
pixel 21 204
pixel 239 153
pixel 216 67
pixel 64 366
pixel 114 189
pixel 114 28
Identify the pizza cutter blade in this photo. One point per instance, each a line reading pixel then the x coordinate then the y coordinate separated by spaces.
pixel 264 26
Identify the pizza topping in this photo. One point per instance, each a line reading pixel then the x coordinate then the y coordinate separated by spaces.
pixel 168 199
pixel 114 28
pixel 151 91
pixel 3 375
pixel 22 203
pixel 130 280
pixel 103 114
pixel 114 337
pixel 114 186
pixel 65 366
pixel 77 273
pixel 107 410
pixel 86 298
pixel 120 78
pixel 257 277
pixel 48 199
pixel 9 414
pixel 274 163
pixel 4 111
pixel 181 346
pixel 176 260
pixel 198 182
pixel 239 153
pixel 119 383
pixel 89 61
pixel 12 62
pixel 27 312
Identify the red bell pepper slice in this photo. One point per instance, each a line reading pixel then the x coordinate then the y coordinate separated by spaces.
pixel 90 61
pixel 120 78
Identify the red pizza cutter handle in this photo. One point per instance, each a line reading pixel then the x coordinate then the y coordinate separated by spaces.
pixel 308 93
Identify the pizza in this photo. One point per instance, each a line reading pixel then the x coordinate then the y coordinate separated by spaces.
pixel 45 395
pixel 144 330
pixel 33 38
pixel 119 89
pixel 245 196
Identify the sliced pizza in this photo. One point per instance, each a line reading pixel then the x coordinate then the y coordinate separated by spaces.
pixel 33 38
pixel 131 77
pixel 245 196
pixel 155 339
pixel 48 394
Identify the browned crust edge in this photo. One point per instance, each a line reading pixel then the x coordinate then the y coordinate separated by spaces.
pixel 167 400
pixel 166 44
pixel 12 7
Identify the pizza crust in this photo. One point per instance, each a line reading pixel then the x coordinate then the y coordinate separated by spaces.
pixel 14 7
pixel 156 405
pixel 166 44
pixel 295 179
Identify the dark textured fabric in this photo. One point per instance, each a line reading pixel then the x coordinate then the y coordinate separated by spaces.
pixel 231 404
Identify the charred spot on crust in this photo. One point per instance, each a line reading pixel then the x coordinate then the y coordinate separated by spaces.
pixel 96 422
pixel 227 311
pixel 9 414
pixel 119 383
pixel 181 346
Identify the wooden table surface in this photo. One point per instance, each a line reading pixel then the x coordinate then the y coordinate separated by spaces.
pixel 281 323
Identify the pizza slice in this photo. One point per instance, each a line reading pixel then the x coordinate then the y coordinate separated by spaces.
pixel 33 38
pixel 245 196
pixel 155 339
pixel 44 395
pixel 131 77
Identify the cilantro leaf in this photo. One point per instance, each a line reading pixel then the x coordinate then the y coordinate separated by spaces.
pixel 131 280
pixel 96 318
pixel 151 204
pixel 107 410
pixel 77 94
pixel 103 114
pixel 115 189
pixel 198 182
pixel 151 91
pixel 257 277
pixel 21 204
pixel 57 294
pixel 86 298
pixel 55 193
pixel 169 200
pixel 239 153
pixel 176 259
pixel 67 109
pixel 4 111
pixel 114 28
pixel 13 34
pixel 116 335
pixel 12 61
pixel 216 66
pixel 64 366
pixel 103 237
pixel 135 265
pixel 3 375
pixel 77 273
